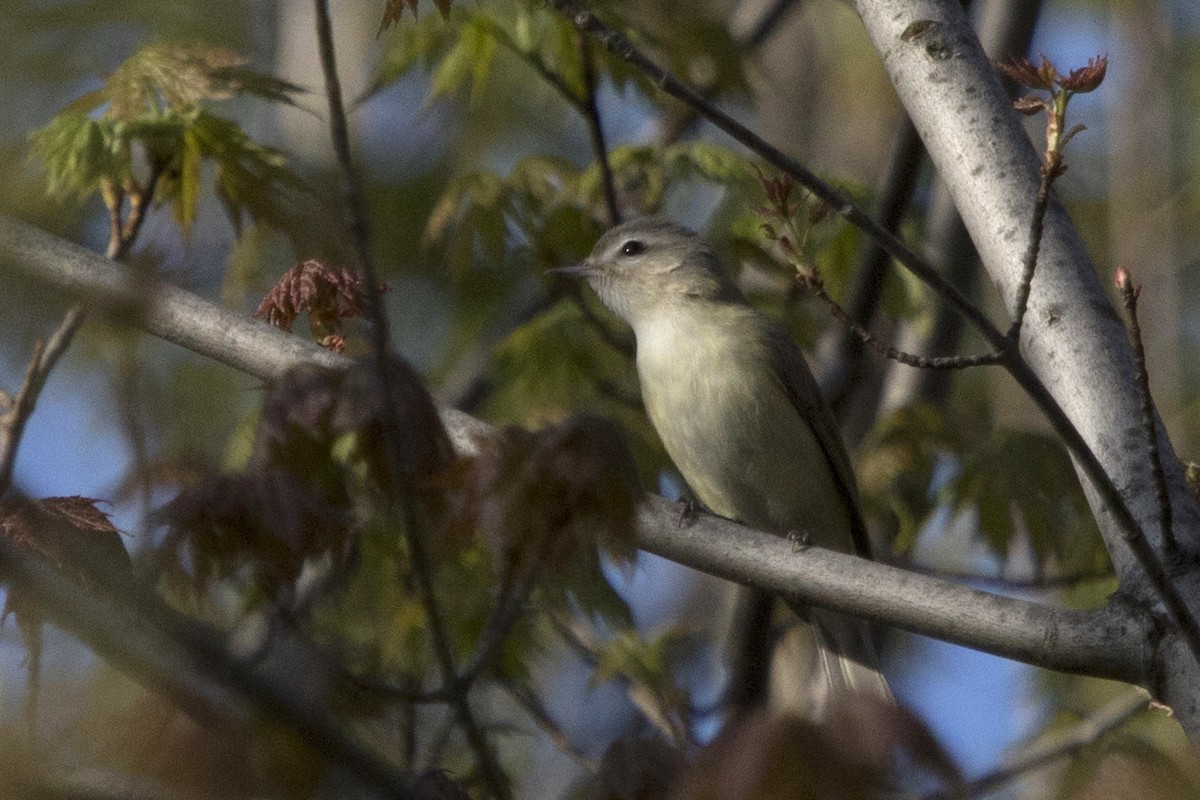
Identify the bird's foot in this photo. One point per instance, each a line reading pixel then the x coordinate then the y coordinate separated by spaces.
pixel 688 512
pixel 800 540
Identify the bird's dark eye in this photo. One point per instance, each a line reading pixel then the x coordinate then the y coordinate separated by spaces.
pixel 633 247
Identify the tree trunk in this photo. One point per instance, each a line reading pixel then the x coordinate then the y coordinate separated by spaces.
pixel 1073 338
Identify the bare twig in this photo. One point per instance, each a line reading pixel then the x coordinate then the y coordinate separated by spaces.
pixel 813 282
pixel 871 267
pixel 591 114
pixel 506 613
pixel 584 105
pixel 41 363
pixel 508 610
pixel 768 22
pixel 532 705
pixel 1051 169
pixel 1086 733
pixel 1129 298
pixel 122 234
pixel 760 30
pixel 494 778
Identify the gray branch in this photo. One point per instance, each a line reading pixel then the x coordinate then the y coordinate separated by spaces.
pixel 1112 642
pixel 1072 338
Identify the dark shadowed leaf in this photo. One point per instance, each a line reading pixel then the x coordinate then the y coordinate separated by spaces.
pixel 1130 768
pixel 73 536
pixel 425 450
pixel 634 768
pixel 267 521
pixel 68 532
pixel 895 468
pixel 310 409
pixel 1021 481
pixel 551 498
pixel 852 756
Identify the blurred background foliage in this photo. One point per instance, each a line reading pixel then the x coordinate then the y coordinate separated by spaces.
pixel 472 133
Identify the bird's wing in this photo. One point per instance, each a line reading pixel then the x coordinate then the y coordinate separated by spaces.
pixel 801 388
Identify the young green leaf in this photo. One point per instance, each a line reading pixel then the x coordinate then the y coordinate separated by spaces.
pixel 156 103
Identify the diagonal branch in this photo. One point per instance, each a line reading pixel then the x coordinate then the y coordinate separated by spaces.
pixel 41 363
pixel 156 644
pixel 1086 733
pixel 1110 642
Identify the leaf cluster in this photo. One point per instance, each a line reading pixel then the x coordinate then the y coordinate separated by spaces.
pixel 70 533
pixel 461 48
pixel 327 295
pixel 919 461
pixel 547 211
pixel 146 132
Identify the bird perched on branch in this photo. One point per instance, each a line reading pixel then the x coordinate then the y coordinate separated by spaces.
pixel 740 415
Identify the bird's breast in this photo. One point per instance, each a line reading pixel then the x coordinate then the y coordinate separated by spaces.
pixel 730 428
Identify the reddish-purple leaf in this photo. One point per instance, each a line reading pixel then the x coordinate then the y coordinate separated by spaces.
pixel 1086 79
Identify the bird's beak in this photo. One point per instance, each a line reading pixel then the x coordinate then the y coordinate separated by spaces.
pixel 581 270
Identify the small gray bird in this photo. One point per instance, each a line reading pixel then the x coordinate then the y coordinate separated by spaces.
pixel 739 413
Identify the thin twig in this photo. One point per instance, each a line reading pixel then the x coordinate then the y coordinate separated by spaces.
pixel 1051 169
pixel 1084 734
pixel 584 104
pixel 494 778
pixel 591 114
pixel 1129 298
pixel 870 270
pixel 768 22
pixel 532 705
pixel 673 128
pixel 41 363
pixel 812 281
pixel 1020 370
pixel 115 224
pixel 123 233
pixel 506 613
pixel 586 107
pixel 495 631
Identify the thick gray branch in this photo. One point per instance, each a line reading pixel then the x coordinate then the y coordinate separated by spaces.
pixel 1073 338
pixel 1100 642
pixel 1110 642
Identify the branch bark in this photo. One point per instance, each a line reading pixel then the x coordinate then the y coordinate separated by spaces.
pixel 1113 642
pixel 1072 338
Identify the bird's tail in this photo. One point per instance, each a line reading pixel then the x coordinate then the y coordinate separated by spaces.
pixel 833 656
